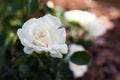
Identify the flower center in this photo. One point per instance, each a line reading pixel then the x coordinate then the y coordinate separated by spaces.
pixel 41 38
pixel 40 35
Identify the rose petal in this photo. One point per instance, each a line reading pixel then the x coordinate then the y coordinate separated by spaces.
pixel 25 32
pixel 97 28
pixel 62 48
pixel 62 35
pixel 55 22
pixel 56 54
pixel 28 50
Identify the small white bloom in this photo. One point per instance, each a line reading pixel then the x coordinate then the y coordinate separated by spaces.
pixel 43 34
pixel 50 4
pixel 90 22
pixel 78 70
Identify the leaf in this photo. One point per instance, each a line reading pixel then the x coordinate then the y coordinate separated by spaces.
pixel 24 70
pixel 65 73
pixel 85 43
pixel 2 57
pixel 43 75
pixel 80 58
pixel 9 38
pixel 46 60
pixel 32 6
pixel 19 60
pixel 59 12
pixel 74 23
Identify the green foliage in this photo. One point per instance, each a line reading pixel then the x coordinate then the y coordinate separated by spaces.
pixel 74 23
pixel 85 43
pixel 59 12
pixel 33 6
pixel 66 74
pixel 80 58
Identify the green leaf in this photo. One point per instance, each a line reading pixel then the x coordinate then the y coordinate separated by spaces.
pixel 43 75
pixel 46 60
pixel 24 70
pixel 2 57
pixel 74 23
pixel 19 60
pixel 9 38
pixel 80 58
pixel 85 43
pixel 65 73
pixel 33 6
pixel 59 12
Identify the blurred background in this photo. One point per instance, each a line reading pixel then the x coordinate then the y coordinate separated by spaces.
pixel 105 50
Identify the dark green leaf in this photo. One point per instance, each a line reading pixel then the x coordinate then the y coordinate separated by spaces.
pixel 32 6
pixel 42 76
pixel 80 58
pixel 2 56
pixel 19 60
pixel 46 60
pixel 24 70
pixel 65 73
pixel 85 43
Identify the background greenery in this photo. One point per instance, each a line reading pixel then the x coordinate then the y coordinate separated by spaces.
pixel 14 64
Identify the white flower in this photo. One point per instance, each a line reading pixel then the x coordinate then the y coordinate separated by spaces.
pixel 90 22
pixel 50 4
pixel 78 70
pixel 43 34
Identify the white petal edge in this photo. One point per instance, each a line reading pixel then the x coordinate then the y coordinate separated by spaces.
pixel 56 54
pixel 52 20
pixel 28 50
pixel 62 35
pixel 63 48
pixel 29 23
pixel 22 36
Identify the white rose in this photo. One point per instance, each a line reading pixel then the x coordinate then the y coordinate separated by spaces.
pixel 43 34
pixel 50 4
pixel 90 22
pixel 78 70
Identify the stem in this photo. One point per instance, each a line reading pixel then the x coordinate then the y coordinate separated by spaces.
pixel 29 4
pixel 58 75
pixel 39 60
